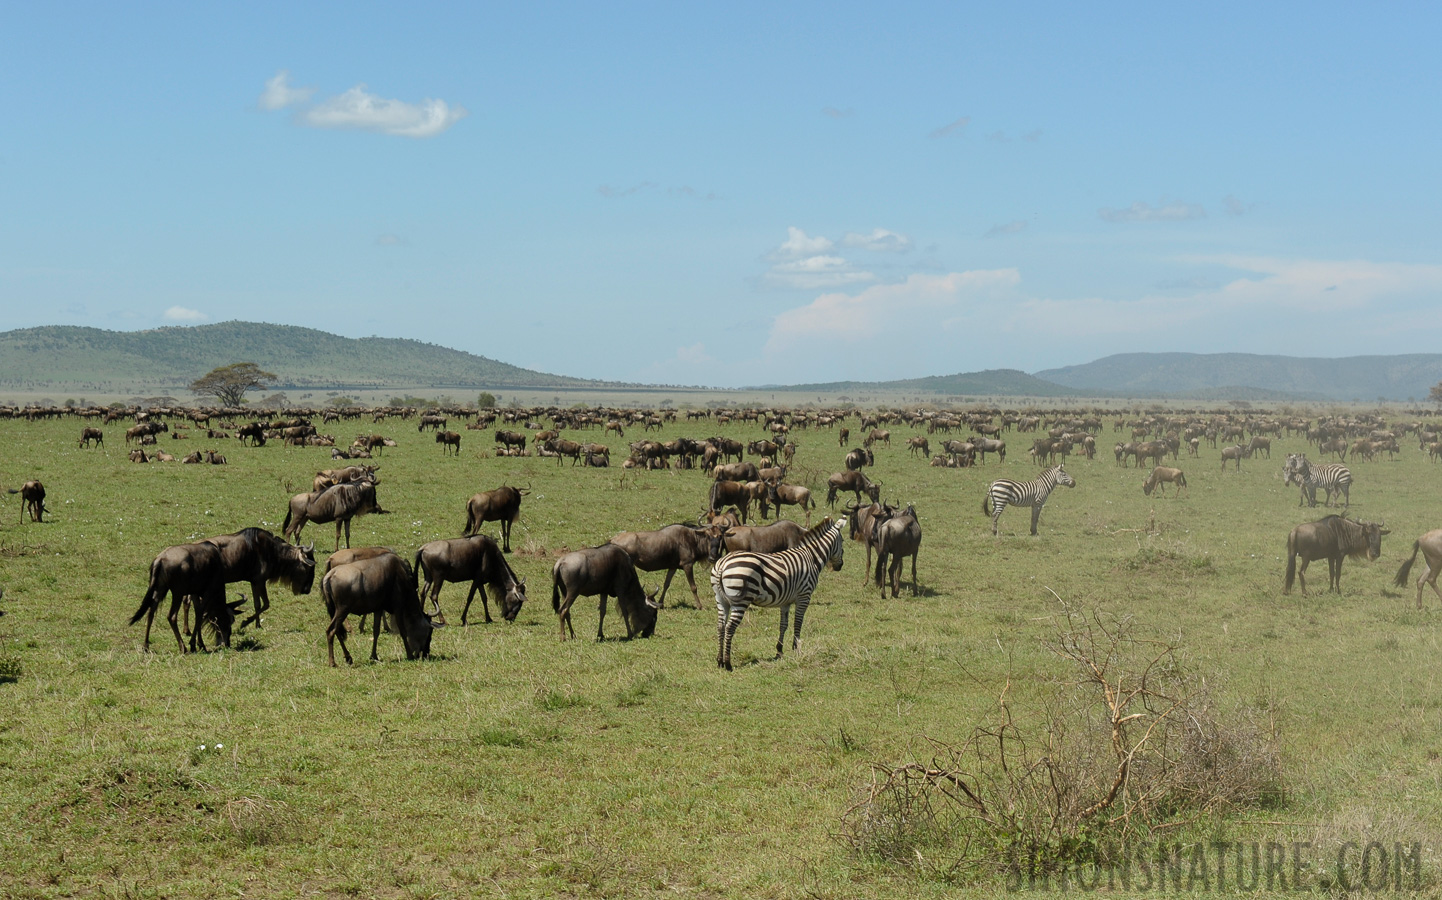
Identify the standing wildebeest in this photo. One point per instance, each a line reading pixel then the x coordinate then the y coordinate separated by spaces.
pixel 853 481
pixel 605 570
pixel 1165 474
pixel 511 439
pixel 782 534
pixel 256 556
pixel 32 500
pixel 476 559
pixel 742 471
pixel 896 538
pixel 339 504
pixel 437 423
pixel 1431 546
pixel 1236 452
pixel 564 448
pixel 1333 539
pixel 382 585
pixel 861 519
pixel 87 435
pixel 990 445
pixel 724 493
pixel 919 444
pixel 447 440
pixel 843 436
pixel 858 458
pixel 330 477
pixel 188 570
pixel 1260 443
pixel 670 548
pixel 501 505
pixel 778 495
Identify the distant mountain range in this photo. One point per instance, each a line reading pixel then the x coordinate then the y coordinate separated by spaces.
pixel 74 361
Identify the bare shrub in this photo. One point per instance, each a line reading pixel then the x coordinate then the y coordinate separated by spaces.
pixel 1129 745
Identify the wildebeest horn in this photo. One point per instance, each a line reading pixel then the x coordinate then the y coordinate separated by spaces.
pixel 311 547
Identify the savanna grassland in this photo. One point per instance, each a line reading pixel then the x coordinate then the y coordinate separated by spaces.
pixel 512 764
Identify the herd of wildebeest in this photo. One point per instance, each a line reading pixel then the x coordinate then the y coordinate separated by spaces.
pixel 782 559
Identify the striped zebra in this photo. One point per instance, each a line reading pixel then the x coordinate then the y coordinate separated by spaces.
pixel 1334 478
pixel 768 580
pixel 1033 493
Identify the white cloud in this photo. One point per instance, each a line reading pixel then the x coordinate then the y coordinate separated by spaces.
pixel 365 111
pixel 1173 211
pixel 1016 226
pixel 799 243
pixel 812 273
pixel 880 241
pixel 181 314
pixel 950 128
pixel 278 93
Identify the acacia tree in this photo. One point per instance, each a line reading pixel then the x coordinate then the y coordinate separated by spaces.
pixel 228 384
pixel 1435 394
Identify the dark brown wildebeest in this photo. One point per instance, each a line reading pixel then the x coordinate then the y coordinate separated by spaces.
pixel 919 444
pixel 896 538
pixel 447 440
pixel 383 586
pixel 1431 546
pixel 330 477
pixel 32 500
pixel 842 437
pixel 138 456
pixel 615 425
pixel 253 433
pixel 725 519
pixel 89 435
pixel 501 505
pixel 596 455
pixel 258 557
pixel 1234 452
pixel 339 504
pixel 477 559
pixel 1156 451
pixel 1334 539
pixel 214 458
pixel 188 570
pixel 1164 475
pixel 858 458
pixel 670 548
pixel 778 495
pixel 190 458
pixel 990 445
pixel 764 448
pixel 511 439
pixel 855 482
pixel 564 448
pixel 782 534
pixel 437 423
pixel 724 493
pixel 605 571
pixel 861 519
pixel 144 430
pixel 295 435
pixel 743 471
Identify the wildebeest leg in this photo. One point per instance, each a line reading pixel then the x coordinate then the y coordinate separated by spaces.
pixel 506 535
pixel 1302 574
pixel 337 630
pixel 690 580
pixel 475 586
pixel 262 603
pixel 670 573
pixel 563 615
pixel 601 622
pixel 1334 570
pixel 897 561
pixel 914 588
pixel 338 524
pixel 174 616
pixel 1035 515
pixel 1430 577
pixel 781 637
pixel 375 634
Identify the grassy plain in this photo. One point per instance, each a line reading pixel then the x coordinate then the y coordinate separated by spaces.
pixel 514 765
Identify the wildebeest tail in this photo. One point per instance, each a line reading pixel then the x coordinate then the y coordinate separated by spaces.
pixel 416 572
pixel 1291 563
pixel 831 495
pixel 151 599
pixel 1402 573
pixel 285 526
pixel 555 594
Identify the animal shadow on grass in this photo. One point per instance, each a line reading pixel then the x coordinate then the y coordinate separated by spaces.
pixel 246 644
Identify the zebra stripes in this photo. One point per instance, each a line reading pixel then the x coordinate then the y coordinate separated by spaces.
pixel 1032 493
pixel 1333 478
pixel 767 580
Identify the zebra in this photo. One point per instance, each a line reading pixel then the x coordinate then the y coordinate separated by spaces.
pixel 1332 477
pixel 744 579
pixel 1023 493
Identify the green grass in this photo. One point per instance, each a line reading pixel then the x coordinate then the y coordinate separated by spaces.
pixel 512 764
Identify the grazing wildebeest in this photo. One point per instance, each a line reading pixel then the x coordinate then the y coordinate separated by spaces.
pixel 339 504
pixel 1431 546
pixel 89 435
pixel 779 495
pixel 735 493
pixel 853 481
pixel 896 538
pixel 1164 474
pixel 32 500
pixel 842 437
pixel 256 556
pixel 447 440
pixel 1236 452
pixel 773 580
pixel 500 505
pixel 858 458
pixel 1156 451
pixel 437 423
pixel 253 433
pixel 188 570
pixel 670 548
pixel 381 585
pixel 1333 539
pixel 477 559
pixel 605 570
pixel 877 434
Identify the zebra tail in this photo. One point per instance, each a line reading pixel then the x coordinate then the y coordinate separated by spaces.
pixel 1402 573
pixel 1291 565
pixel 986 503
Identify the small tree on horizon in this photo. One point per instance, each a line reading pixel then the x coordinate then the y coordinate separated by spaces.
pixel 1435 394
pixel 229 384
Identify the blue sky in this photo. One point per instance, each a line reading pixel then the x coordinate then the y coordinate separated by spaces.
pixel 736 193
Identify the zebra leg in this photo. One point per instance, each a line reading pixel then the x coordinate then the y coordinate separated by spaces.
pixel 800 617
pixel 733 621
pixel 996 515
pixel 785 620
pixel 1035 516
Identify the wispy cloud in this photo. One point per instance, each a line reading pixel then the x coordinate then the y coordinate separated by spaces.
pixel 278 93
pixel 834 113
pixel 878 241
pixel 1171 211
pixel 686 190
pixel 951 128
pixel 181 314
pixel 811 273
pixel 999 137
pixel 1016 226
pixel 612 193
pixel 391 240
pixel 1235 206
pixel 798 243
pixel 1032 136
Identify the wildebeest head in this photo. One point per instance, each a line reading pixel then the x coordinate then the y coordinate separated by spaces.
pixel 300 570
pixel 510 603
pixel 641 617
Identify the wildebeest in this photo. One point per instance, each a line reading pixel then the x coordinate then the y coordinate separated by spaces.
pixel 896 538
pixel 32 500
pixel 853 481
pixel 563 448
pixel 339 504
pixel 329 477
pixel 990 445
pixel 188 570
pixel 381 585
pixel 447 440
pixel 605 571
pixel 436 422
pixel 732 493
pixel 1333 538
pixel 500 505
pixel 1431 546
pixel 511 439
pixel 1235 452
pixel 861 519
pixel 919 444
pixel 725 519
pixel 779 495
pixel 782 534
pixel 1260 443
pixel 858 458
pixel 476 559
pixel 1164 474
pixel 670 548
pixel 214 458
pixel 877 434
pixel 743 471
pixel 89 435
pixel 258 557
